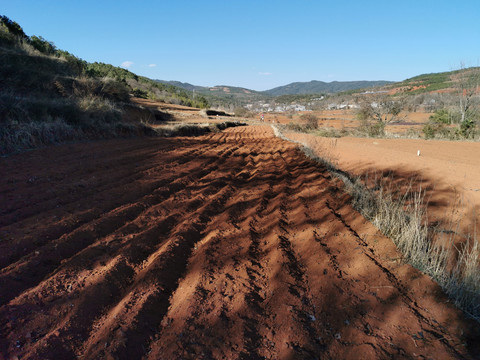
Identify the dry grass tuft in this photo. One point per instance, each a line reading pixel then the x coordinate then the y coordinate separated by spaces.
pixel 401 215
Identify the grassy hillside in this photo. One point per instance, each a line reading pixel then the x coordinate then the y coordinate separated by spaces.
pixel 433 82
pixel 48 95
pixel 427 82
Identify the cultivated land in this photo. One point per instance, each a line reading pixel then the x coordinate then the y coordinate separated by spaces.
pixel 347 120
pixel 449 172
pixel 228 245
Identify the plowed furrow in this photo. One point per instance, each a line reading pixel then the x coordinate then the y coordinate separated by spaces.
pixel 228 277
pixel 176 248
pixel 231 245
pixel 101 173
pixel 102 179
pixel 111 189
pixel 146 314
pixel 46 258
pixel 418 312
pixel 302 307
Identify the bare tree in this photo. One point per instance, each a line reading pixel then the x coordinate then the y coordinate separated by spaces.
pixel 467 83
pixel 382 109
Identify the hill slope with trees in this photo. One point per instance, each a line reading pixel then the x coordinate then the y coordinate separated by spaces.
pixel 48 95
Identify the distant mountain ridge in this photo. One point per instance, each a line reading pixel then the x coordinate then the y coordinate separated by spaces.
pixel 209 89
pixel 182 85
pixel 296 88
pixel 222 95
pixel 319 87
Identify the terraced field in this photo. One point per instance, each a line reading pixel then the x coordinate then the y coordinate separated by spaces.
pixel 232 245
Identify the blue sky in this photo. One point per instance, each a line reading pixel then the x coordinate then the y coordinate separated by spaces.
pixel 260 44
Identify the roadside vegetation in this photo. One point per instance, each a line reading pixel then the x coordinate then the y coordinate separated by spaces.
pixel 401 216
pixel 50 96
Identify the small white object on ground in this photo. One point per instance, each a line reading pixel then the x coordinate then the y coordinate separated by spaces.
pixel 418 152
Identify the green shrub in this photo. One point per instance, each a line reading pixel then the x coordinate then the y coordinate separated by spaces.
pixel 140 93
pixel 42 45
pixel 441 116
pixel 437 126
pixel 372 128
pixel 468 128
pixel 12 27
pixel 430 130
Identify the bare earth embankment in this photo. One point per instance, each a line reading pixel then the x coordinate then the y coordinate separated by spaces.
pixel 230 245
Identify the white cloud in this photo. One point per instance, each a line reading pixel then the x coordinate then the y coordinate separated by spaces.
pixel 265 73
pixel 126 64
pixel 152 65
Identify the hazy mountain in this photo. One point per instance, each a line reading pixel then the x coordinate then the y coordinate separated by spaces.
pixel 221 95
pixel 225 89
pixel 182 85
pixel 320 87
pixel 296 88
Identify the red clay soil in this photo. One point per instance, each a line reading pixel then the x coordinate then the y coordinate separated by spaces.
pixel 232 245
pixel 449 171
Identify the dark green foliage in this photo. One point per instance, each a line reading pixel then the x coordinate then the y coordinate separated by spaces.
pixel 13 28
pixel 441 116
pixel 468 128
pixel 437 127
pixel 431 129
pixel 75 64
pixel 42 45
pixel 98 69
pixel 201 102
pixel 140 93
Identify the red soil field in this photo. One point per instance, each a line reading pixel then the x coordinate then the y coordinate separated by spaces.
pixel 231 245
pixel 449 171
pixel 346 119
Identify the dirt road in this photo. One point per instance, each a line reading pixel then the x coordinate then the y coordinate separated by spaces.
pixel 227 246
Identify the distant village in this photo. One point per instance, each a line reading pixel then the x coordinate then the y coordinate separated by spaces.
pixel 314 104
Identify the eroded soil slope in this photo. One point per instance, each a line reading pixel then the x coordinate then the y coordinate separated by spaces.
pixel 231 245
